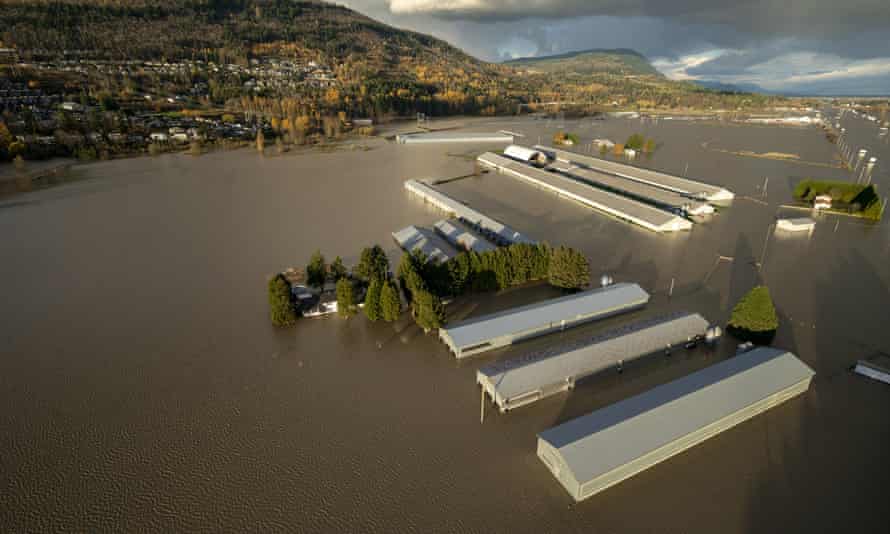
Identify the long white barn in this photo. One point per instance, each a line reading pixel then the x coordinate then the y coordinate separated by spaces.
pixel 600 449
pixel 489 332
pixel 519 382
pixel 618 206
pixel 669 182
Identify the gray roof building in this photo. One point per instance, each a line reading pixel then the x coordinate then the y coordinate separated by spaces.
pixel 619 206
pixel 600 449
pixel 459 235
pixel 663 198
pixel 453 137
pixel 426 241
pixel 669 182
pixel 519 382
pixel 489 332
pixel 490 228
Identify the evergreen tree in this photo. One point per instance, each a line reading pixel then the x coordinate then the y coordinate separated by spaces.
pixel 754 318
pixel 428 310
pixel 372 300
pixel 372 264
pixel 409 275
pixel 338 270
pixel 345 298
pixel 390 303
pixel 569 269
pixel 280 306
pixel 316 270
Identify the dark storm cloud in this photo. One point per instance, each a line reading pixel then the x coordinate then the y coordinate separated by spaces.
pixel 792 43
pixel 761 17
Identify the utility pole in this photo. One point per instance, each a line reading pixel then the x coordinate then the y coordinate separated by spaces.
pixel 763 254
pixel 482 405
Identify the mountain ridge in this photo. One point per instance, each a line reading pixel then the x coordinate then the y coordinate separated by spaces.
pixel 374 68
pixel 594 60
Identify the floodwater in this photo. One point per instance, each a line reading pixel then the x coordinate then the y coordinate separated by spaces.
pixel 143 388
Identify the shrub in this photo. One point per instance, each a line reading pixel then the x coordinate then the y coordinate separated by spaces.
pixel 561 138
pixel 635 141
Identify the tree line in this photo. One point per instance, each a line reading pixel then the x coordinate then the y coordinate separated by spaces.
pixel 425 283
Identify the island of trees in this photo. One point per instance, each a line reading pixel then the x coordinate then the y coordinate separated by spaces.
pixel 424 284
pixel 854 199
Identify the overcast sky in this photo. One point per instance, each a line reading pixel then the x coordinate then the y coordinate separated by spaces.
pixel 818 46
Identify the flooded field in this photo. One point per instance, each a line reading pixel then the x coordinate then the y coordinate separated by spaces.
pixel 142 386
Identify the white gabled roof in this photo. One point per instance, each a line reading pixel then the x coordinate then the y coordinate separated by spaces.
pixel 602 441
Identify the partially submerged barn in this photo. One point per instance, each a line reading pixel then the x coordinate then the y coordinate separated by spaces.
pixel 489 332
pixel 519 382
pixel 600 449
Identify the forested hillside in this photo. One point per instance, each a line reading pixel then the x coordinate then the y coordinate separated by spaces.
pixel 291 57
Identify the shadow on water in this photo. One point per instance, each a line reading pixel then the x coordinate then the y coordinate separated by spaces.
pixel 826 452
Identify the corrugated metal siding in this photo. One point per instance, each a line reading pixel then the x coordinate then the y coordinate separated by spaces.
pixel 558 369
pixel 432 246
pixel 616 205
pixel 690 440
pixel 479 221
pixel 503 328
pixel 611 444
pixel 647 176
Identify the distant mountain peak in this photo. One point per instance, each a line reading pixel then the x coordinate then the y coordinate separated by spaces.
pixel 575 53
pixel 621 61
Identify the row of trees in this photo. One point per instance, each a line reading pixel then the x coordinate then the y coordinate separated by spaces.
pixel 503 267
pixel 426 283
pixel 426 306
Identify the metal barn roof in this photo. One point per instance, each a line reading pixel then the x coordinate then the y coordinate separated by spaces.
pixel 516 320
pixel 619 206
pixel 445 203
pixel 663 180
pixel 433 247
pixel 453 137
pixel 639 190
pixel 462 237
pixel 510 380
pixel 602 441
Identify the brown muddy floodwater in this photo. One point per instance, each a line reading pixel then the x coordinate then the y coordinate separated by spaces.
pixel 143 388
